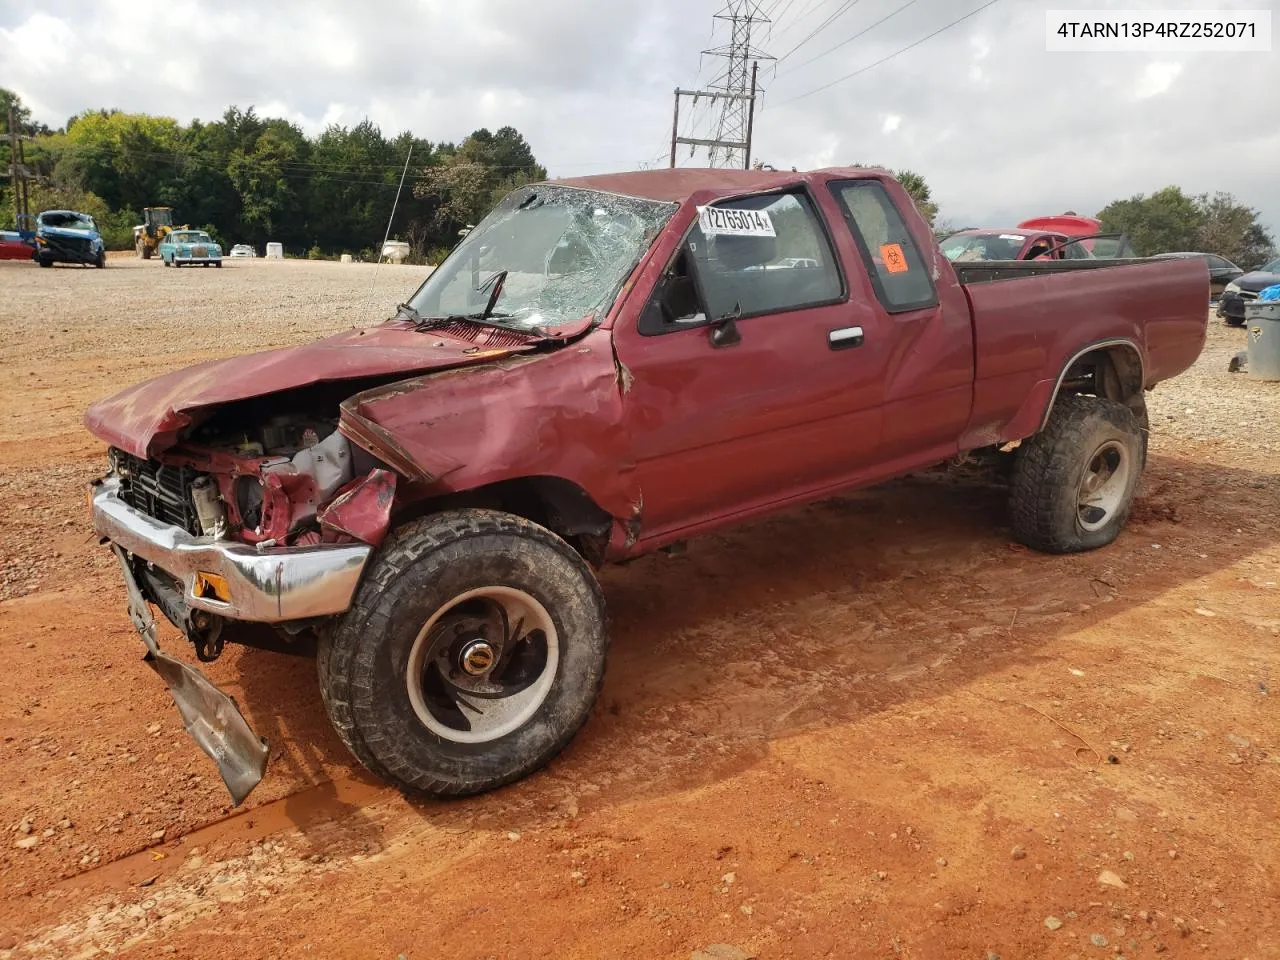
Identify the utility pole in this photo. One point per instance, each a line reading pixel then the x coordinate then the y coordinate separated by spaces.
pixel 735 89
pixel 713 96
pixel 18 172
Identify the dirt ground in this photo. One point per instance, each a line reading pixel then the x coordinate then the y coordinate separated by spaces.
pixel 868 728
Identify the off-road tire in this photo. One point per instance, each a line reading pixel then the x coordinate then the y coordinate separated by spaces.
pixel 419 569
pixel 1044 492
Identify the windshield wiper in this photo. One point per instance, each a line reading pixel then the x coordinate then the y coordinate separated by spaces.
pixel 485 316
pixel 430 323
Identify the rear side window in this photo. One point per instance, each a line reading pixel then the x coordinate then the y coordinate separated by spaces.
pixel 898 272
pixel 763 254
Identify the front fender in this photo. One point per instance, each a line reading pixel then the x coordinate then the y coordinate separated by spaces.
pixel 557 413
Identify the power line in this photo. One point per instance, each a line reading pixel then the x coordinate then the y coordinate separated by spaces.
pixel 850 40
pixel 808 8
pixel 848 5
pixel 885 59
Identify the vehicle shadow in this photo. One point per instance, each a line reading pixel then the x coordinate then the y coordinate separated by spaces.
pixel 325 790
pixel 811 619
pixel 829 613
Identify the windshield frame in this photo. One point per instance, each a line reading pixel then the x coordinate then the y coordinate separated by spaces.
pixel 662 212
pixel 72 220
pixel 191 237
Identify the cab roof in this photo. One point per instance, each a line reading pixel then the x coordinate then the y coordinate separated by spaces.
pixel 684 183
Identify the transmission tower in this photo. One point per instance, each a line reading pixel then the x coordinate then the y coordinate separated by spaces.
pixel 734 90
pixel 737 80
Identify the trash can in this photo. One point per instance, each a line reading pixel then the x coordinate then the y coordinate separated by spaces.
pixel 1262 321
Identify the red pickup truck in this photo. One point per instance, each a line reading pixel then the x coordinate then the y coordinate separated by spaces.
pixel 602 367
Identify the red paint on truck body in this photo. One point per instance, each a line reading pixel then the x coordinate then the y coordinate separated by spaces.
pixel 670 435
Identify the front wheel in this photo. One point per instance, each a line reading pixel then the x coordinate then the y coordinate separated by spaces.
pixel 102 259
pixel 45 262
pixel 1073 482
pixel 1233 321
pixel 471 656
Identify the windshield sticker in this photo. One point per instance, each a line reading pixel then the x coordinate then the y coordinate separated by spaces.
pixel 894 260
pixel 1012 236
pixel 727 222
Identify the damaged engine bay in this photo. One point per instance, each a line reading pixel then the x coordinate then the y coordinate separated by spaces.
pixel 252 474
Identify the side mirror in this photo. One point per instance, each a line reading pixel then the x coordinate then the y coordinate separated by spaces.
pixel 724 333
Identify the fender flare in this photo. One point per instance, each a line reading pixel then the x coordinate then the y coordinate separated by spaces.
pixel 1084 351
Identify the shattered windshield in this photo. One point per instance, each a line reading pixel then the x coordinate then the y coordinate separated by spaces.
pixel 966 247
pixel 68 221
pixel 562 253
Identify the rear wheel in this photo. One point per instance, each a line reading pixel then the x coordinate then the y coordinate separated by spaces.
pixel 1073 482
pixel 471 656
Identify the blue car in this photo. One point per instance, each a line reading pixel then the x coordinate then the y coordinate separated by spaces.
pixel 65 236
pixel 185 247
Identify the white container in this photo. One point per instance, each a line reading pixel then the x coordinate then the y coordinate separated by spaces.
pixel 395 250
pixel 275 251
pixel 345 258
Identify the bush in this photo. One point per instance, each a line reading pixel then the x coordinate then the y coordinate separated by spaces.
pixel 315 253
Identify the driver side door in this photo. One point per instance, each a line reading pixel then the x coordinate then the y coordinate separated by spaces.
pixel 754 377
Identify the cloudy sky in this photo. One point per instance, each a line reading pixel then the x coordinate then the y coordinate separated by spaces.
pixel 1001 128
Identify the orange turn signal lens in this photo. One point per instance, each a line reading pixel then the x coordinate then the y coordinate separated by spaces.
pixel 210 586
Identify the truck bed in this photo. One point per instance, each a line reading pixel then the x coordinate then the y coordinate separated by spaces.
pixel 987 271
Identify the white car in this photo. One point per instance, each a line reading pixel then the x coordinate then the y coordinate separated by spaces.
pixel 243 250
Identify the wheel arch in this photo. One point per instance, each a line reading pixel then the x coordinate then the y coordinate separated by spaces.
pixel 562 506
pixel 1113 369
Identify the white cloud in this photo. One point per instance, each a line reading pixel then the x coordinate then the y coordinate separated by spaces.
pixel 892 122
pixel 1156 78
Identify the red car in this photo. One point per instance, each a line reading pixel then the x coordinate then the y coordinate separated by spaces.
pixel 13 247
pixel 1064 237
pixel 604 366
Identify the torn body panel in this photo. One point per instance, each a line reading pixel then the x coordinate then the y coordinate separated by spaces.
pixel 362 510
pixel 554 414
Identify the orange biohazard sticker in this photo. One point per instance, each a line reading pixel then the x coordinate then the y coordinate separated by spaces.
pixel 894 261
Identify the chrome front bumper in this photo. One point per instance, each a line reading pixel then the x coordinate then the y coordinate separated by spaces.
pixel 268 586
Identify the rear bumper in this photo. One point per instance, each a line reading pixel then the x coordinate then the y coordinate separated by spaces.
pixel 266 586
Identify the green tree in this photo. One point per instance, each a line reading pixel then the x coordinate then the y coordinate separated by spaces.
pixel 7 99
pixel 1231 229
pixel 1167 220
pixel 919 192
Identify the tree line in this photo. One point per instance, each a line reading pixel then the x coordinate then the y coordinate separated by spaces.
pixel 252 179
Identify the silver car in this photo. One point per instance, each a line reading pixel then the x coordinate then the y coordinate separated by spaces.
pixel 243 250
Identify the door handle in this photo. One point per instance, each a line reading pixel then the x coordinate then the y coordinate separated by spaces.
pixel 844 338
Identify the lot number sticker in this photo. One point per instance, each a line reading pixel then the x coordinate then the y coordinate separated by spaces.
pixel 727 222
pixel 894 261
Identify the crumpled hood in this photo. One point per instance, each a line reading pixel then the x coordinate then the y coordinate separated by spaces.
pixel 148 417
pixel 69 234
